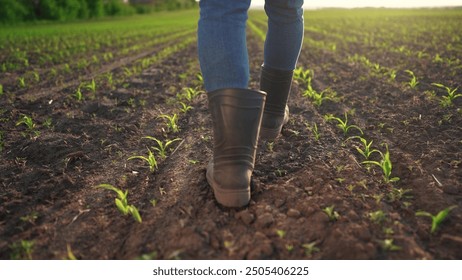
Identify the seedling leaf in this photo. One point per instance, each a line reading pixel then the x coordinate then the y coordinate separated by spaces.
pixel 135 214
pixel 438 218
pixel 120 205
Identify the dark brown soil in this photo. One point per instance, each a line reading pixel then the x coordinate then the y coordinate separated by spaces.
pixel 48 194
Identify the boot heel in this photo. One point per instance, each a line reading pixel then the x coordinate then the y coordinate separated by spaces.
pixel 269 133
pixel 237 197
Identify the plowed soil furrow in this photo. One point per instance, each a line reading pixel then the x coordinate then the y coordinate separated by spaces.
pixel 84 149
pixel 410 124
pixel 74 81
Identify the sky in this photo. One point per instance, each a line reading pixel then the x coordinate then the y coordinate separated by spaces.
pixel 373 3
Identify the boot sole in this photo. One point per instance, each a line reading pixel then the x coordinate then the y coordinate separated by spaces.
pixel 227 197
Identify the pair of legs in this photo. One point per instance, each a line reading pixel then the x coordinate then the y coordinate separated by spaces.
pixel 240 114
pixel 222 45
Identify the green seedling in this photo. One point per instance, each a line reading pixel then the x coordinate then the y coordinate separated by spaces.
pixel 95 59
pixel 289 247
pixel 183 76
pixel 309 88
pixel 406 204
pixel 31 218
pixel 29 123
pixel 377 198
pixel 122 203
pixel 48 123
pixel 36 76
pixel 270 146
pixel 386 166
pixel 53 72
pixel 397 194
pixel 22 250
pixel 1 89
pixel 388 231
pixel 83 63
pixel 190 93
pixel 438 218
pixel 185 107
pixel 351 188
pixel 319 98
pixel 295 133
pixel 303 75
pixel 333 47
pixel 310 248
pixel 67 68
pixel 447 101
pixel 200 79
pixel 376 68
pixel 281 233
pixel 127 71
pixel 78 94
pixel 107 56
pixel 280 172
pixel 331 213
pixel 131 101
pixel 161 146
pixel 377 216
pixel 228 244
pixel 343 124
pixel 22 82
pixel 413 81
pixel 366 150
pixel 91 86
pixel 437 59
pixel 392 74
pixel 148 256
pixel 150 159
pixel 172 122
pixel 340 180
pixel 314 130
pixel 388 245
pixel 70 255
pixel 109 78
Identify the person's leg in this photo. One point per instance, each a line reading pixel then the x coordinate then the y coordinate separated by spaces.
pixel 222 43
pixel 285 33
pixel 282 48
pixel 235 110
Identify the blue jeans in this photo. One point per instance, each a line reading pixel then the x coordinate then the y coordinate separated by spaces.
pixel 222 43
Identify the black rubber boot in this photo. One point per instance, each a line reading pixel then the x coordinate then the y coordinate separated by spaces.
pixel 236 116
pixel 276 83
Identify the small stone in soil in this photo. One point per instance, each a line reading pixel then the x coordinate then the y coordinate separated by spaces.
pixel 265 220
pixel 293 213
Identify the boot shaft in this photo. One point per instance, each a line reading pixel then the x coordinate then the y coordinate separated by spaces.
pixel 277 84
pixel 236 117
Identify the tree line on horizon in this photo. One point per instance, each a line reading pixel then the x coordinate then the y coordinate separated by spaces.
pixel 14 11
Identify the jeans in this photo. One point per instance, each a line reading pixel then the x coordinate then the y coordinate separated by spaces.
pixel 222 43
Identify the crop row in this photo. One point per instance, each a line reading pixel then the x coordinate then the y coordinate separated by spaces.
pixel 367 155
pixel 34 55
pixel 398 40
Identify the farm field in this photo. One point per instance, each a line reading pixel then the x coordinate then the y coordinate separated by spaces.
pixel 366 168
